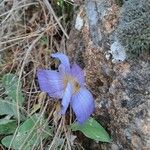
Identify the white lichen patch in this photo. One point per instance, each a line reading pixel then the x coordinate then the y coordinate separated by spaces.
pixel 107 55
pixel 118 52
pixel 79 22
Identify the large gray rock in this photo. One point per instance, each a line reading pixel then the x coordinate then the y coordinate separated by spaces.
pixel 121 86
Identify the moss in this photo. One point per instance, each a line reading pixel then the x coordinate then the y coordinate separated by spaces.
pixel 133 31
pixel 119 2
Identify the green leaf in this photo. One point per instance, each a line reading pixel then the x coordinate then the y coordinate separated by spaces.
pixel 92 129
pixel 9 81
pixel 7 140
pixel 21 142
pixel 13 88
pixel 7 108
pixel 29 134
pixel 29 124
pixel 7 126
pixel 44 40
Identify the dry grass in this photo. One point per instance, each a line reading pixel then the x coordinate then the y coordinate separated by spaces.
pixel 30 31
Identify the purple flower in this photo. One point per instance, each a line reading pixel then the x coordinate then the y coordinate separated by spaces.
pixel 68 84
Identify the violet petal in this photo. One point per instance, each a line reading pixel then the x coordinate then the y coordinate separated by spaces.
pixel 66 98
pixel 83 104
pixel 51 82
pixel 63 59
pixel 62 70
pixel 78 73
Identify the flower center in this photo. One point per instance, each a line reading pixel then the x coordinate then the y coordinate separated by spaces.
pixel 73 81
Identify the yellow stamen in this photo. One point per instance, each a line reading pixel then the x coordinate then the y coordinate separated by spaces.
pixel 73 81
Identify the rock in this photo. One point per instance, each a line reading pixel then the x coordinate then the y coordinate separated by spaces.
pixel 118 52
pixel 121 90
pixel 79 22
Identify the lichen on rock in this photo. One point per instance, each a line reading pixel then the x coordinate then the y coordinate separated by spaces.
pixel 118 52
pixel 133 31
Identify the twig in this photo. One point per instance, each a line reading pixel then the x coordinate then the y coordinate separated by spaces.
pixel 55 17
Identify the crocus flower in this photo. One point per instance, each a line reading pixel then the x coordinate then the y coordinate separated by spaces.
pixel 67 83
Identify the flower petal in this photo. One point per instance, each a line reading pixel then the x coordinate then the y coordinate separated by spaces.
pixel 63 59
pixel 51 82
pixel 62 70
pixel 82 104
pixel 78 73
pixel 66 98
